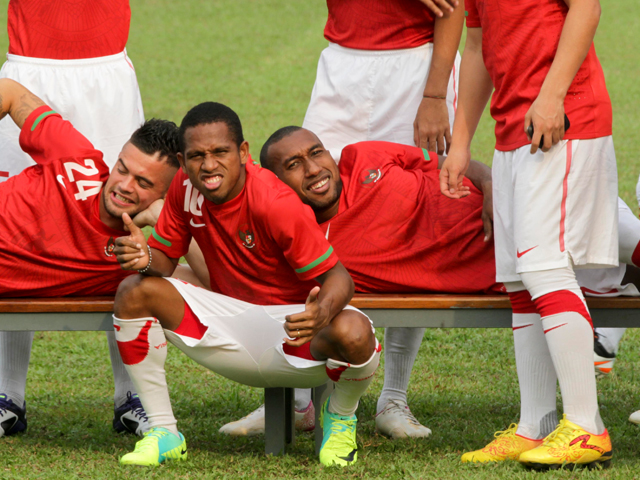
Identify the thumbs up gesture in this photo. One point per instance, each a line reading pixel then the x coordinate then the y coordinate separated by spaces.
pixel 132 252
pixel 302 327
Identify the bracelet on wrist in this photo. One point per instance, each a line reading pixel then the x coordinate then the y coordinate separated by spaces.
pixel 437 97
pixel 146 269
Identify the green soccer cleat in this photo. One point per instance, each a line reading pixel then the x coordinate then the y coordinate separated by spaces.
pixel 339 441
pixel 158 445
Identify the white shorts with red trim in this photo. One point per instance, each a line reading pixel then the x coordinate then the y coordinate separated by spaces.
pixel 244 342
pixel 371 95
pixel 556 208
pixel 99 96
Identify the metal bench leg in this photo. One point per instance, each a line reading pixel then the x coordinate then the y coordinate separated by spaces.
pixel 320 394
pixel 279 420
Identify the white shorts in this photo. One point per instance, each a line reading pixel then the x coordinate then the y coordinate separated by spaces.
pixel 99 96
pixel 607 282
pixel 371 95
pixel 244 342
pixel 556 208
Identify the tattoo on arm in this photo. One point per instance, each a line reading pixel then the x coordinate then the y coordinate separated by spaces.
pixel 27 103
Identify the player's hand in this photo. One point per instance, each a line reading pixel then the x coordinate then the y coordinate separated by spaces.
pixel 302 327
pixel 431 129
pixel 452 174
pixel 150 215
pixel 487 210
pixel 547 116
pixel 440 7
pixel 131 251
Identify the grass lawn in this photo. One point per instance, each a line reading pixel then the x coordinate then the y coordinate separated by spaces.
pixel 259 57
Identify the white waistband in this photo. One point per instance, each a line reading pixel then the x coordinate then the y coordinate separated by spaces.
pixel 379 53
pixel 68 63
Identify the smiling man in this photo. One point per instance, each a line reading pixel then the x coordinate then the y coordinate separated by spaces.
pixel 265 255
pixel 60 219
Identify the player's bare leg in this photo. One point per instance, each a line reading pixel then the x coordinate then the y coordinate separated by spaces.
pixel 347 345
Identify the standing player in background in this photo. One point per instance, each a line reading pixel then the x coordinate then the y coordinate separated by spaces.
pixel 60 219
pixel 389 73
pixel 72 56
pixel 554 207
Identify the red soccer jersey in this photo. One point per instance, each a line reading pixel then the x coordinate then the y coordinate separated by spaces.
pixel 52 242
pixel 519 43
pixel 396 233
pixel 379 24
pixel 64 30
pixel 263 247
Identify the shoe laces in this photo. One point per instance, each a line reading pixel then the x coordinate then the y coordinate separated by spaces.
pixel 511 431
pixel 402 410
pixel 134 404
pixel 5 404
pixel 150 439
pixel 561 435
pixel 339 431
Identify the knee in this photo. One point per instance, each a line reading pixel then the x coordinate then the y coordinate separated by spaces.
pixel 352 332
pixel 132 296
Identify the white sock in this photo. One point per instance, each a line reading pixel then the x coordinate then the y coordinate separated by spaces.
pixel 569 333
pixel 401 347
pixel 302 398
pixel 15 351
pixel 351 381
pixel 143 348
pixel 121 380
pixel 610 338
pixel 536 373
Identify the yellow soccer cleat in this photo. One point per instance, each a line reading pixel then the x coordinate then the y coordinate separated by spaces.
pixel 158 446
pixel 506 446
pixel 570 445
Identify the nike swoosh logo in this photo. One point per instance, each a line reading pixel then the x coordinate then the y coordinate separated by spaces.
pixel 349 458
pixel 136 350
pixel 519 254
pixel 553 328
pixel 182 452
pixel 197 225
pixel 522 326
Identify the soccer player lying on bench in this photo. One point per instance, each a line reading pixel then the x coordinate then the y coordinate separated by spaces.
pixel 380 209
pixel 265 255
pixel 58 225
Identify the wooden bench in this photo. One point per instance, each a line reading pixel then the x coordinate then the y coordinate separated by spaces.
pixel 391 310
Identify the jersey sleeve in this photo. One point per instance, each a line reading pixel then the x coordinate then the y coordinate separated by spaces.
pixel 294 228
pixel 471 14
pixel 46 137
pixel 375 154
pixel 171 234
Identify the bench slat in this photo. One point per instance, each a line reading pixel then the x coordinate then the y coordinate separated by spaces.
pixel 360 300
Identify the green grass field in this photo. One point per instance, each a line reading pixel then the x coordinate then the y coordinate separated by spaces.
pixel 259 57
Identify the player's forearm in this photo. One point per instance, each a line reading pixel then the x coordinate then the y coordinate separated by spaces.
pixel 16 101
pixel 446 39
pixel 576 39
pixel 336 291
pixel 195 259
pixel 160 265
pixel 473 93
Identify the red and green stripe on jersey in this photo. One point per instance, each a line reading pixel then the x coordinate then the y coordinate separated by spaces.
pixel 263 247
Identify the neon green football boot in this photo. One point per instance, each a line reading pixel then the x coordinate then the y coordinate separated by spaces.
pixel 157 446
pixel 339 446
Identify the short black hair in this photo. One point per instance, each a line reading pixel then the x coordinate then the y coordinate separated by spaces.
pixel 212 112
pixel 157 135
pixel 274 138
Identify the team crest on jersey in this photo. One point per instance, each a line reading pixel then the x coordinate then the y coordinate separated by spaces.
pixel 247 238
pixel 110 247
pixel 370 176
